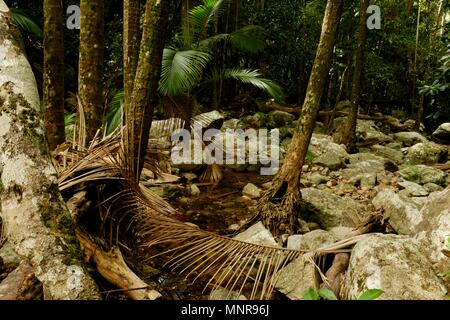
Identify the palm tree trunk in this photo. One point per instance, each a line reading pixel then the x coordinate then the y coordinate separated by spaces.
pixel 349 134
pixel 131 38
pixel 90 73
pixel 277 206
pixel 53 88
pixel 144 97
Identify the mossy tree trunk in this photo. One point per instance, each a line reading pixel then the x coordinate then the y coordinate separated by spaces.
pixel 349 137
pixel 277 207
pixel 131 40
pixel 90 69
pixel 37 223
pixel 53 88
pixel 144 98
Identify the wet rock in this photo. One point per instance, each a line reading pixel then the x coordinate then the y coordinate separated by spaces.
pixel 395 264
pixel 257 234
pixel 251 191
pixel 422 174
pixel 296 278
pixel 310 241
pixel 403 215
pixel 426 153
pixel 330 210
pixel 442 134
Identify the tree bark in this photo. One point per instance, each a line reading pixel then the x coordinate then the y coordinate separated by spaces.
pixel 277 206
pixel 90 76
pixel 139 112
pixel 54 72
pixel 131 37
pixel 37 222
pixel 349 138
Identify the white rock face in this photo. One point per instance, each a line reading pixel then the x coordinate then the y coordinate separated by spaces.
pixel 257 234
pixel 395 264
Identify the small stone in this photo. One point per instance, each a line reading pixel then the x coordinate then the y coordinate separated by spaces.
pixel 257 234
pixel 194 190
pixel 251 191
pixel 234 227
pixel 189 176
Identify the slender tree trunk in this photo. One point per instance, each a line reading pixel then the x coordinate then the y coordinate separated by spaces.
pixel 144 99
pixel 349 134
pixel 54 72
pixel 90 73
pixel 36 219
pixel 277 206
pixel 344 80
pixel 131 40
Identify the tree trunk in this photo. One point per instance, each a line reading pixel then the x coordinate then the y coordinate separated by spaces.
pixel 90 73
pixel 53 87
pixel 349 138
pixel 131 38
pixel 144 99
pixel 37 222
pixel 277 206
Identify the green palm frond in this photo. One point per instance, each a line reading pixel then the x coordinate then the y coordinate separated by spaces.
pixel 201 16
pixel 181 70
pixel 26 24
pixel 69 119
pixel 252 77
pixel 113 118
pixel 249 39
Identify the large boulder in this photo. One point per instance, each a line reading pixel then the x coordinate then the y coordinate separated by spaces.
pixel 327 153
pixel 442 134
pixel 330 210
pixel 426 153
pixel 257 234
pixel 310 241
pixel 434 230
pixel 408 139
pixel 422 174
pixel 254 121
pixel 395 264
pixel 403 215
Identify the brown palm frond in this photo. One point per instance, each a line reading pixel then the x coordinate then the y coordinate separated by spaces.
pixel 442 166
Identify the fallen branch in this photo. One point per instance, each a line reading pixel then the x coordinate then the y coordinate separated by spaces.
pixel 113 268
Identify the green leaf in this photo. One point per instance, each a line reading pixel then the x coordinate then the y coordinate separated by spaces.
pixel 114 115
pixel 26 24
pixel 371 294
pixel 181 70
pixel 327 294
pixel 311 294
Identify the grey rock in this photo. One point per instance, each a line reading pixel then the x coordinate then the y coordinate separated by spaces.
pixel 426 153
pixel 422 174
pixel 225 294
pixel 403 215
pixel 395 264
pixel 408 139
pixel 278 119
pixel 413 189
pixel 389 153
pixel 442 134
pixel 310 241
pixel 316 179
pixel 257 234
pixel 330 210
pixel 296 278
pixel 230 124
pixel 432 187
pixel 11 259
